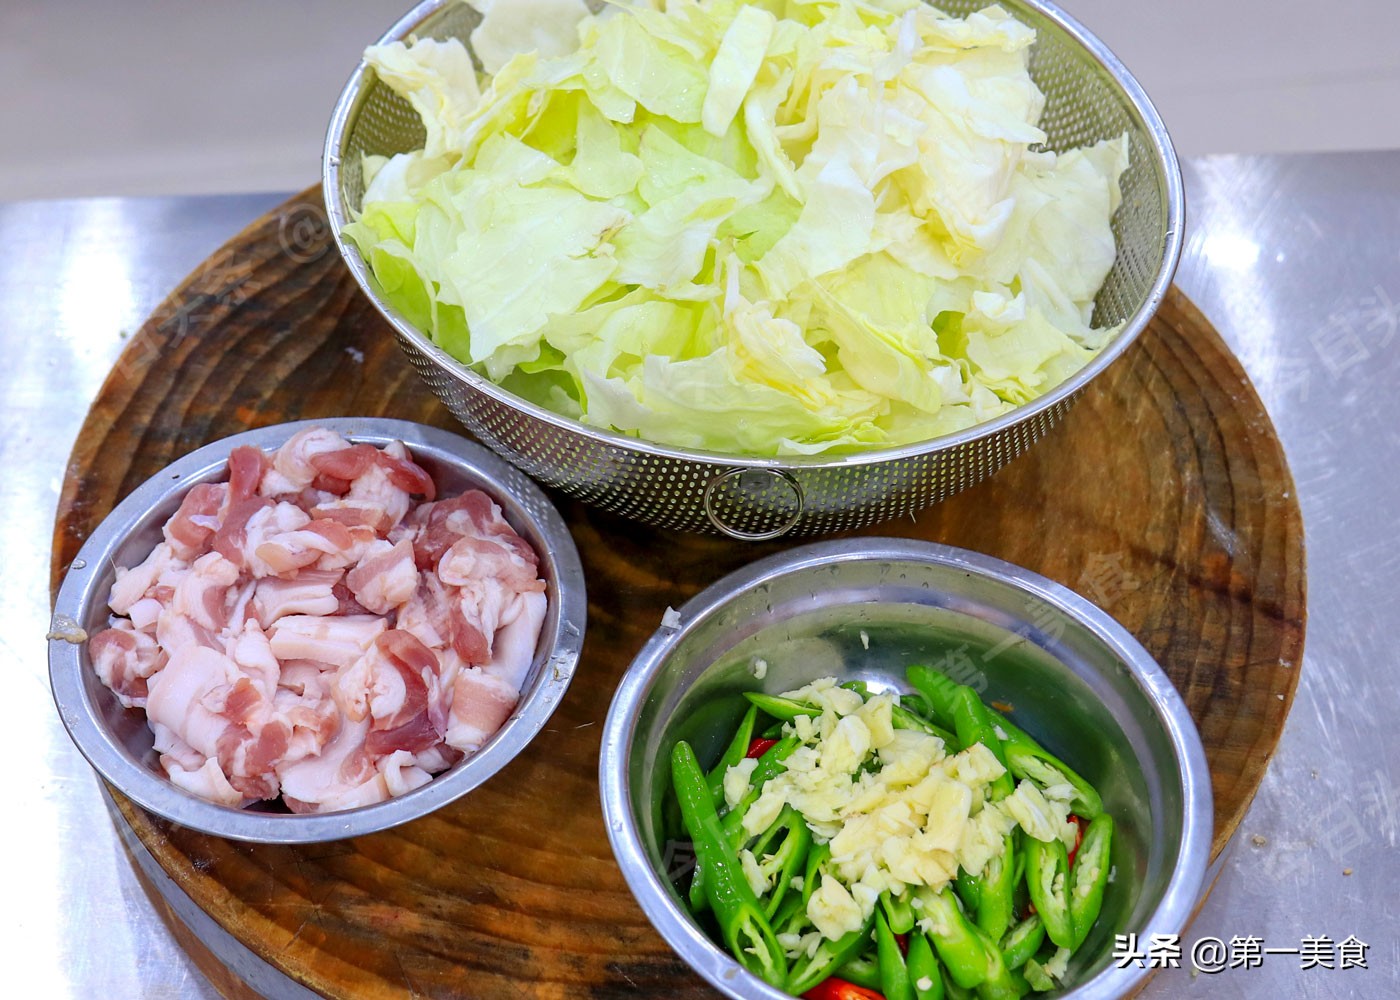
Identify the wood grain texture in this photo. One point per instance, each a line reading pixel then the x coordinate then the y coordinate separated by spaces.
pixel 1164 497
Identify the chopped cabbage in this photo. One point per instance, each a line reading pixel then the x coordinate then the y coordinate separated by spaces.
pixel 774 228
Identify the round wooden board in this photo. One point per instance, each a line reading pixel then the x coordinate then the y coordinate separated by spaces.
pixel 1164 497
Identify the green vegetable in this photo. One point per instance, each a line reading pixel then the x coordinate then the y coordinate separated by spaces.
pixel 1047 878
pixel 1000 984
pixel 736 751
pixel 955 939
pixel 1022 941
pixel 973 724
pixel 784 709
pixel 1089 876
pixel 924 968
pixel 655 221
pixel 769 765
pixel 787 858
pixel 862 971
pixel 816 858
pixel 898 912
pixel 969 889
pixel 1027 759
pixel 745 930
pixel 902 718
pixel 829 956
pixel 894 974
pixel 997 906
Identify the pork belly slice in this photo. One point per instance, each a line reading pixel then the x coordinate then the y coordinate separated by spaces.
pixel 292 464
pixel 384 577
pixel 337 640
pixel 207 781
pixel 308 592
pixel 124 658
pixel 514 648
pixel 190 532
pixel 396 685
pixel 162 568
pixel 202 594
pixel 334 775
pixel 481 703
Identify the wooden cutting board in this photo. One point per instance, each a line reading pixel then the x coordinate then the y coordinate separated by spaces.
pixel 1164 497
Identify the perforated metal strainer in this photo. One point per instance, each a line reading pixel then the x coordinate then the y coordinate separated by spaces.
pixel 1089 96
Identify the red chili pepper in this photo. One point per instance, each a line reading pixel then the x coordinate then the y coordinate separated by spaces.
pixel 1078 837
pixel 839 989
pixel 903 941
pixel 759 747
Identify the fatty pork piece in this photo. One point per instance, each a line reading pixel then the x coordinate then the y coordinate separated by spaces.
pixel 220 706
pixel 304 630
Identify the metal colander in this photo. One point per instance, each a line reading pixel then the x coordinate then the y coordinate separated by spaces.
pixel 1089 96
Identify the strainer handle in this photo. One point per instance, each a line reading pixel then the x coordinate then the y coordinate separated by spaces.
pixel 733 531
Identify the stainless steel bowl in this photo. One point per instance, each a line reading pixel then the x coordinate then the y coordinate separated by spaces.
pixel 1090 95
pixel 866 609
pixel 117 741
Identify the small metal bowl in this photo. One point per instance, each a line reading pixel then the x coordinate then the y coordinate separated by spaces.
pixel 867 609
pixel 117 741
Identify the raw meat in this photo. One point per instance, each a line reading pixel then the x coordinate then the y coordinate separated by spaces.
pixel 323 629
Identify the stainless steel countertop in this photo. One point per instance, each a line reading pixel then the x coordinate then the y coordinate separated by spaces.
pixel 1296 259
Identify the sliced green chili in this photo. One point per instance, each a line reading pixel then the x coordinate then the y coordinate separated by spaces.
pixel 998 903
pixel 925 972
pixel 894 973
pixel 1089 876
pixel 785 709
pixel 746 932
pixel 1023 941
pixel 1047 877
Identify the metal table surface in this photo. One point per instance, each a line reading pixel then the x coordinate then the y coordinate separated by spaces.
pixel 1296 259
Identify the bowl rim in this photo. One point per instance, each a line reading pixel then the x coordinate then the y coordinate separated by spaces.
pixel 1188 874
pixel 1138 104
pixel 556 655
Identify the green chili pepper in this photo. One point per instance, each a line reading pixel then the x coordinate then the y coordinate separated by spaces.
pixel 954 938
pixel 925 974
pixel 898 913
pixel 1023 941
pixel 829 956
pixel 745 930
pixel 1038 978
pixel 917 704
pixel 773 732
pixel 816 858
pixel 969 889
pixel 769 766
pixel 859 687
pixel 785 709
pixel 1047 877
pixel 862 971
pixel 737 750
pixel 951 989
pixel 960 707
pixel 1028 760
pixel 894 974
pixel 790 855
pixel 1000 984
pixel 791 917
pixel 939 692
pixel 1089 876
pixel 998 903
pixel 902 718
pixel 973 724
